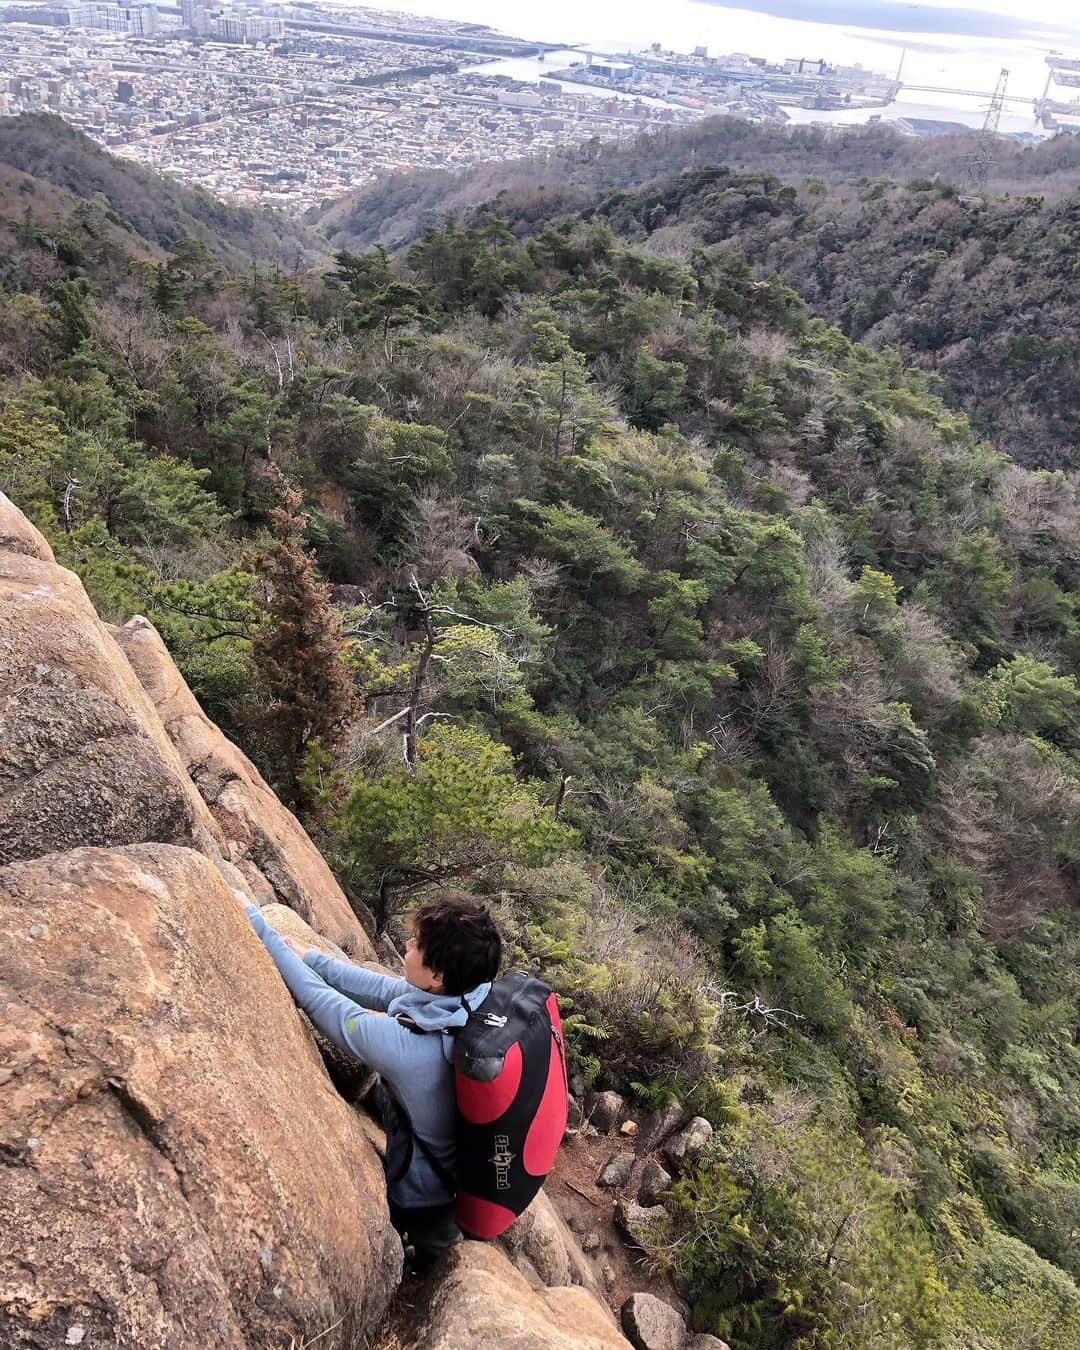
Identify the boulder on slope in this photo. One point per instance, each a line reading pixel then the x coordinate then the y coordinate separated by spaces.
pixel 176 1168
pixel 478 1301
pixel 243 804
pixel 616 1171
pixel 689 1142
pixel 541 1245
pixel 604 1109
pixel 652 1324
pixel 659 1126
pixel 652 1184
pixel 638 1221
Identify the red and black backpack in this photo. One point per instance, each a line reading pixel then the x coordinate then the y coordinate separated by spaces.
pixel 510 1080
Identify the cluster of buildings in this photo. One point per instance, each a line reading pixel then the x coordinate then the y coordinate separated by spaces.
pixel 293 105
pixel 222 24
pixel 230 25
pixel 739 84
pixel 137 20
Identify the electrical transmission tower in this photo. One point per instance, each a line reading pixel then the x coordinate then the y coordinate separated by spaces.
pixel 982 157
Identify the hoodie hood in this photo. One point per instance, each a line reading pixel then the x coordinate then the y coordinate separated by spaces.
pixel 439 1012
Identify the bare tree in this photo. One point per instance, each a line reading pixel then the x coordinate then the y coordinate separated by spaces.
pixel 420 612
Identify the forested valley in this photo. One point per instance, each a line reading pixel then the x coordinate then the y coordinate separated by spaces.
pixel 579 562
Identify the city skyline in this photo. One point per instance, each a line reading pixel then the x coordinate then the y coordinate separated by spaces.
pixel 295 107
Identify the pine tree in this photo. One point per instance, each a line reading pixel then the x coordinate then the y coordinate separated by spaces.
pixel 309 695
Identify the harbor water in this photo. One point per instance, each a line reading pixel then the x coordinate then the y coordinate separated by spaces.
pixel 969 60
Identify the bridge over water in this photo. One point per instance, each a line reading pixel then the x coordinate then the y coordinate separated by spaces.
pixel 967 93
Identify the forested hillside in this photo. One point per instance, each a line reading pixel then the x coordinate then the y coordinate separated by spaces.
pixel 868 226
pixel 395 210
pixel 709 643
pixel 986 297
pixel 50 169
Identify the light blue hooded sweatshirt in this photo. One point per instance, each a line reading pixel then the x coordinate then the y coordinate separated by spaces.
pixel 344 1001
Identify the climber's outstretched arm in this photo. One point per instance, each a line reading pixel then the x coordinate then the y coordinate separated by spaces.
pixel 376 1039
pixel 369 988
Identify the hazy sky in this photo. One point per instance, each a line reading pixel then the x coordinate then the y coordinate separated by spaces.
pixel 1048 23
pixel 1049 19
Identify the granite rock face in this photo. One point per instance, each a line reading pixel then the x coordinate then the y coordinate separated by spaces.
pixel 538 1244
pixel 103 744
pixel 351 1076
pixel 478 1301
pixel 176 1168
pixel 257 826
pixel 84 758
pixel 544 1249
pixel 289 924
pixel 17 535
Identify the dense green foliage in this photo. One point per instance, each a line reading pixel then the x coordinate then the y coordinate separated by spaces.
pixel 985 296
pixel 866 225
pixel 712 645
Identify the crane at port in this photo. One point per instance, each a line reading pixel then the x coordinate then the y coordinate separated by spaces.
pixel 982 157
pixel 1064 71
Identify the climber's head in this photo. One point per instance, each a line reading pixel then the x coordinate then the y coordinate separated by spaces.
pixel 454 945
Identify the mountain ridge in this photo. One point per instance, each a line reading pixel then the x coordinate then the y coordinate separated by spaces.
pixel 397 209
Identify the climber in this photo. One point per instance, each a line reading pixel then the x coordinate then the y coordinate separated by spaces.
pixel 450 961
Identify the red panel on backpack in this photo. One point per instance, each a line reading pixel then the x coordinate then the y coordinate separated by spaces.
pixel 485 1102
pixel 549 1124
pixel 482 1218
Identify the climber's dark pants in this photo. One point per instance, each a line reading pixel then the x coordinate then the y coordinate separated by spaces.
pixel 430 1228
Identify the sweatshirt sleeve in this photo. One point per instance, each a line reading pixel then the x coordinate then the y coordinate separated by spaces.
pixel 375 1038
pixel 369 988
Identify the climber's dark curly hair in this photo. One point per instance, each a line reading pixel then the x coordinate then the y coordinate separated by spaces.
pixel 458 939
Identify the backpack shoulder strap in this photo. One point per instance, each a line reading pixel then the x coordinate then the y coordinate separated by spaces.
pixel 412 1025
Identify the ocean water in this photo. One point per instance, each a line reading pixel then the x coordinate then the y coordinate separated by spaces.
pixel 992 34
